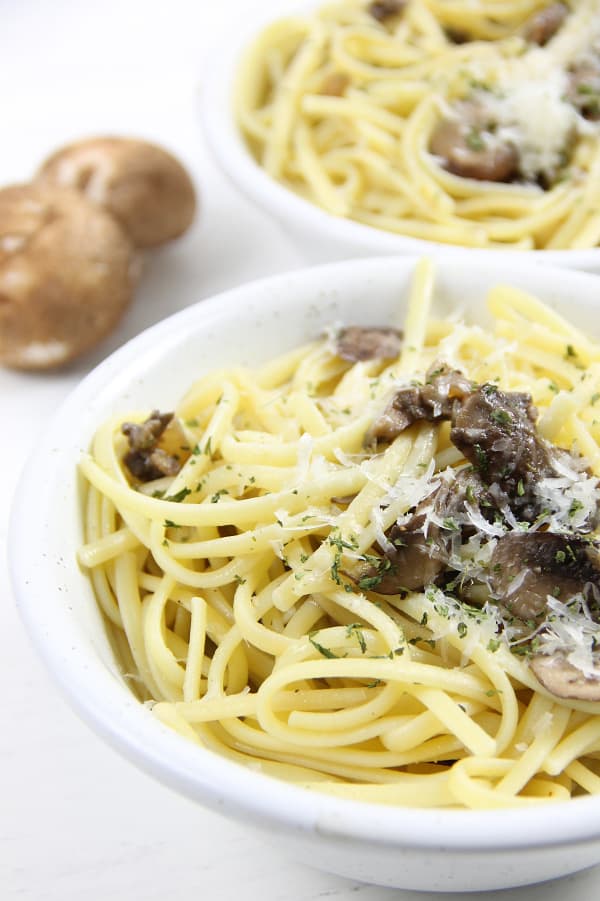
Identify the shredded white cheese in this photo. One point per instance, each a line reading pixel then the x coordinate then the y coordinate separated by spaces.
pixel 534 116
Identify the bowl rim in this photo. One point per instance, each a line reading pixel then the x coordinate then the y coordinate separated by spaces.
pixel 108 707
pixel 230 152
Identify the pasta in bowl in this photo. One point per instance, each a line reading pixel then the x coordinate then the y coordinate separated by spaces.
pixel 384 125
pixel 268 591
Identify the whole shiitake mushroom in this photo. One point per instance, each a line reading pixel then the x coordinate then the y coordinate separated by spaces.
pixel 142 185
pixel 67 273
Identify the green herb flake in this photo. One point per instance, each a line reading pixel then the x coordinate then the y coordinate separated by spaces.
pixel 450 524
pixel 575 507
pixel 325 652
pixel 355 629
pixel 179 496
pixel 502 417
pixel 481 457
pixel 474 140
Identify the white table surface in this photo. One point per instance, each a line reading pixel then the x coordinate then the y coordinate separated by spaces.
pixel 77 821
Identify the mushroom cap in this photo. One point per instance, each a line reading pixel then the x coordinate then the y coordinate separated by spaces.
pixel 142 185
pixel 67 273
pixel 563 680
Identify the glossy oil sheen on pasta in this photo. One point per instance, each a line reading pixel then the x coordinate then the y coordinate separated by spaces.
pixel 228 587
pixel 343 107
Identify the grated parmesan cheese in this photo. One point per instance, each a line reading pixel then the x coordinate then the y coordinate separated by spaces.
pixel 528 101
pixel 533 115
pixel 570 630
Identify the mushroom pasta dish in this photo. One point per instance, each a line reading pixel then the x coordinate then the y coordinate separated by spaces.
pixel 371 566
pixel 469 122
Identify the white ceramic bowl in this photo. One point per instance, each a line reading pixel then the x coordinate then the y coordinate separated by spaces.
pixel 320 235
pixel 423 849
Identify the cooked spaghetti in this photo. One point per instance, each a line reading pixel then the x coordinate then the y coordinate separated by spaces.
pixel 369 565
pixel 469 123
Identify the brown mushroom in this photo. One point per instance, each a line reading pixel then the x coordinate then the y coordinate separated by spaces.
pixel 434 401
pixel 527 567
pixel 357 343
pixel 470 151
pixel 564 680
pixel 142 185
pixel 544 24
pixel 583 89
pixel 157 447
pixel 382 10
pixel 67 273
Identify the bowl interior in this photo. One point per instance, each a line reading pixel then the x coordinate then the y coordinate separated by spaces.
pixel 244 326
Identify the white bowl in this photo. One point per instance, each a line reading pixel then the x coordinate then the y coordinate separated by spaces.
pixel 320 235
pixel 422 849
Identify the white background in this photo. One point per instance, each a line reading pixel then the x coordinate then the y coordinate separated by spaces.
pixel 76 821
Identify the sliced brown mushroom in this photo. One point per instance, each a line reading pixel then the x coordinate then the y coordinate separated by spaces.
pixel 156 447
pixel 382 10
pixel 416 561
pixel 433 402
pixel 527 567
pixel 564 680
pixel 495 430
pixel 543 25
pixel 421 548
pixel 359 343
pixel 458 35
pixel 471 151
pixel 584 88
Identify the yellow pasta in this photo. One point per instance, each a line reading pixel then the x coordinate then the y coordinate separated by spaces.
pixel 243 597
pixel 352 117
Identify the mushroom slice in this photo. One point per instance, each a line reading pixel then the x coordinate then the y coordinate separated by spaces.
pixel 564 680
pixel 527 567
pixel 419 550
pixel 416 561
pixel 495 430
pixel 433 401
pixel 584 88
pixel 543 25
pixel 360 343
pixel 382 10
pixel 472 151
pixel 157 447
